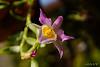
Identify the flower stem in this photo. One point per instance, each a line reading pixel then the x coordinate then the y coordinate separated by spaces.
pixel 23 39
pixel 35 46
pixel 25 33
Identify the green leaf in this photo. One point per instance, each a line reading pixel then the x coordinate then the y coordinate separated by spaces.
pixel 34 63
pixel 30 2
pixel 14 48
pixel 43 45
pixel 78 17
pixel 17 3
pixel 3 50
pixel 34 28
pixel 16 16
pixel 3 4
pixel 31 40
pixel 19 37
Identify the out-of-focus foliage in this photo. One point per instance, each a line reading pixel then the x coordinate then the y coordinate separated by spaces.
pixel 81 20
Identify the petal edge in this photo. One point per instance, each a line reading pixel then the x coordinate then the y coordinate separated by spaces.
pixel 57 23
pixel 59 47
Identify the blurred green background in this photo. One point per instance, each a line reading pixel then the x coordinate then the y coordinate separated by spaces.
pixel 81 20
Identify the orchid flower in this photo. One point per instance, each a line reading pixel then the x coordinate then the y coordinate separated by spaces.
pixel 50 32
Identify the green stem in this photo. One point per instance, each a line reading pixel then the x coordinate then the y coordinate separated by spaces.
pixel 2 50
pixel 34 46
pixel 23 38
pixel 25 33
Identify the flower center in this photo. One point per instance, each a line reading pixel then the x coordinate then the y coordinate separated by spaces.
pixel 48 32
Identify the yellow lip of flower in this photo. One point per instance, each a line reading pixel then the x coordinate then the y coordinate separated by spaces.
pixel 48 32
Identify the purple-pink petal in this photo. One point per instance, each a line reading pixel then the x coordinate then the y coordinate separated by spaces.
pixel 48 21
pixel 62 36
pixel 57 23
pixel 34 53
pixel 59 47
pixel 47 41
pixel 43 19
pixel 41 38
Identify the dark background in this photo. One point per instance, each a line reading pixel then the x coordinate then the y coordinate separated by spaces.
pixel 84 30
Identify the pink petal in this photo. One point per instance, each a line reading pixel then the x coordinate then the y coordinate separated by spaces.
pixel 57 23
pixel 34 53
pixel 43 19
pixel 47 41
pixel 40 36
pixel 62 36
pixel 59 47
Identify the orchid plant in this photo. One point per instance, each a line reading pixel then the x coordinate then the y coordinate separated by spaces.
pixel 49 32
